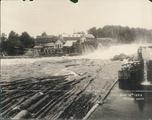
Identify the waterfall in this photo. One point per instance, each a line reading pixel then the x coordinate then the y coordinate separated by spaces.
pixel 146 53
pixel 145 82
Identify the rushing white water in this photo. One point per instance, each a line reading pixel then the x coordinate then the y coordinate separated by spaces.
pixel 145 82
pixel 110 52
pixel 101 53
pixel 147 55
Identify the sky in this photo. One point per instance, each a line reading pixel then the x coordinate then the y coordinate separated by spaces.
pixel 63 16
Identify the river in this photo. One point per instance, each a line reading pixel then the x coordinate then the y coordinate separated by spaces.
pixel 126 104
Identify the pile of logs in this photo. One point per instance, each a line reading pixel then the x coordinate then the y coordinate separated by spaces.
pixel 51 98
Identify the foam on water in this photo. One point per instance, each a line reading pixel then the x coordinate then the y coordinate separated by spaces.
pixel 110 52
pixel 147 53
pixel 104 53
pixel 146 83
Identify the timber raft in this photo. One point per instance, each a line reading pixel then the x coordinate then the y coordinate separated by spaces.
pixel 52 98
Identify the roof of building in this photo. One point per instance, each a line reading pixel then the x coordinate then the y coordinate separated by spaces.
pixel 59 41
pixel 71 38
pixel 69 43
pixel 89 36
pixel 47 36
pixel 72 35
pixel 38 46
pixel 49 45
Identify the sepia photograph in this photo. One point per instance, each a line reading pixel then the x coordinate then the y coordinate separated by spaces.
pixel 75 59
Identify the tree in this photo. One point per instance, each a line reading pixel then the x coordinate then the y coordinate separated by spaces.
pixel 93 31
pixel 122 34
pixel 54 38
pixel 14 46
pixel 44 34
pixel 100 33
pixel 26 40
pixel 3 43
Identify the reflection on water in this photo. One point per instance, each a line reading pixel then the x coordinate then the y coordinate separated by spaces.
pixel 142 94
pixel 126 104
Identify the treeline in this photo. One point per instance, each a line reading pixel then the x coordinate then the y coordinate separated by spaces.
pixel 122 34
pixel 15 44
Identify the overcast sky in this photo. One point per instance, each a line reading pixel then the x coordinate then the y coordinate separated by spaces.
pixel 58 16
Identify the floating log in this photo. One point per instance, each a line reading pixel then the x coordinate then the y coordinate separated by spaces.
pixel 53 105
pixel 24 114
pixel 60 108
pixel 33 107
pixel 31 100
pixel 45 108
pixel 4 109
pixel 15 109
